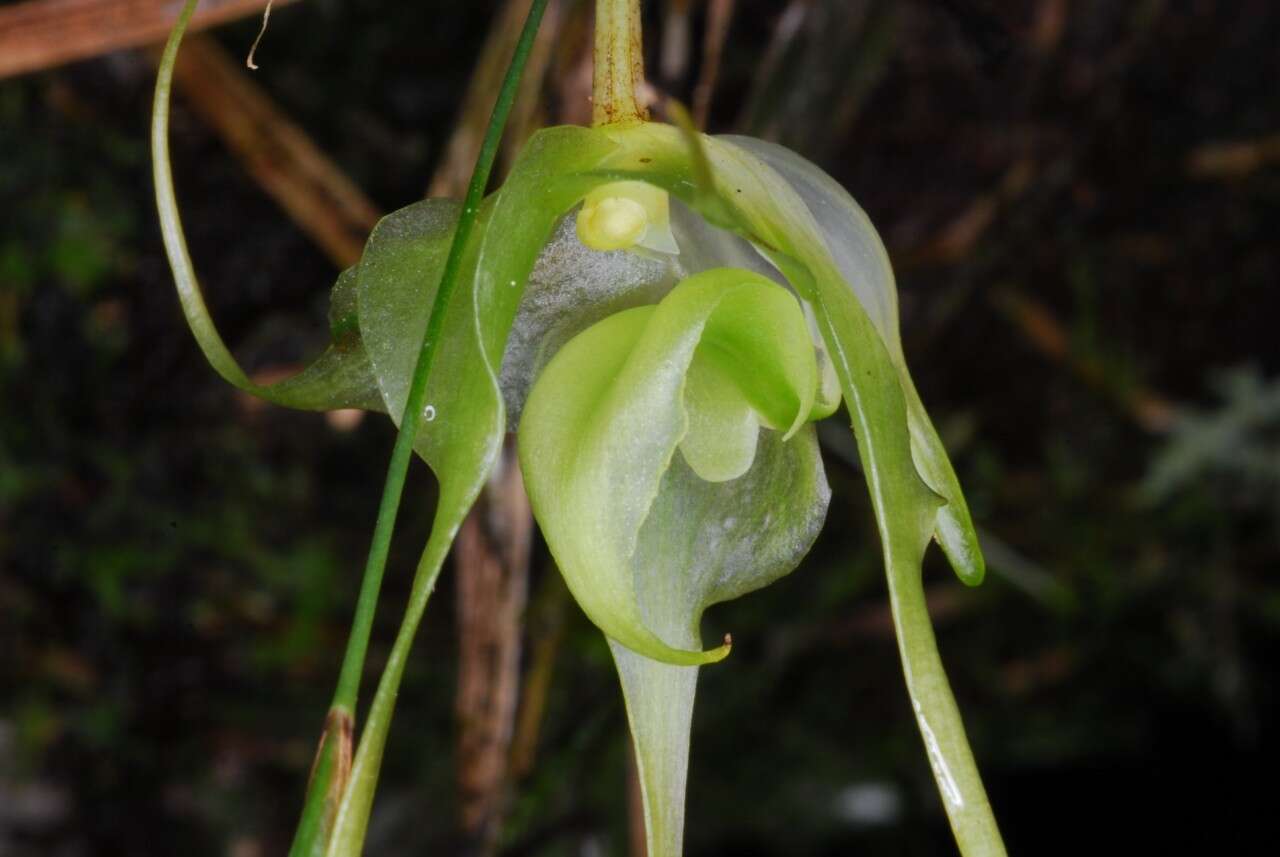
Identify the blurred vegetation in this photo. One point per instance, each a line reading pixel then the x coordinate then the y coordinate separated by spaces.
pixel 178 565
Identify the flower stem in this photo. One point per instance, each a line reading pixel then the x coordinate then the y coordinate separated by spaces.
pixel 954 769
pixel 619 64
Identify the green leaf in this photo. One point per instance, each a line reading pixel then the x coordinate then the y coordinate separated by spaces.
pixel 653 510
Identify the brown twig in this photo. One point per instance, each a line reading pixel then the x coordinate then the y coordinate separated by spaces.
pixel 958 237
pixel 530 110
pixel 673 62
pixel 1235 159
pixel 454 171
pixel 800 97
pixel 547 619
pixel 790 24
pixel 719 17
pixel 1037 324
pixel 39 34
pixel 1150 410
pixel 284 161
pixel 493 562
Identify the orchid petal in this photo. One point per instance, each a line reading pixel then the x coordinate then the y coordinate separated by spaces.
pixel 660 493
pixel 572 287
pixel 864 265
pixel 626 378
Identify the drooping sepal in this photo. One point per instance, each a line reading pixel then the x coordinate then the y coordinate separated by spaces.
pixel 863 263
pixel 703 543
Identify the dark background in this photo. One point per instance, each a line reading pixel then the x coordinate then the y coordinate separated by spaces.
pixel 1081 199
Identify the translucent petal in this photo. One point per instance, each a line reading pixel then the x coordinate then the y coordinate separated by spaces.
pixel 851 239
pixel 734 189
pixel 571 288
pixel 726 539
pixel 860 256
pixel 397 279
pixel 906 466
pixel 720 437
pixel 647 538
pixel 607 415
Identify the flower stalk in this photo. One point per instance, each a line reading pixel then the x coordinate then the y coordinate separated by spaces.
pixel 618 74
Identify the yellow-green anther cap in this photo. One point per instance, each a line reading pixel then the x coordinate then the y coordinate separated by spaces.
pixel 626 215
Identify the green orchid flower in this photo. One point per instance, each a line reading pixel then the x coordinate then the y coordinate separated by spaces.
pixel 662 316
